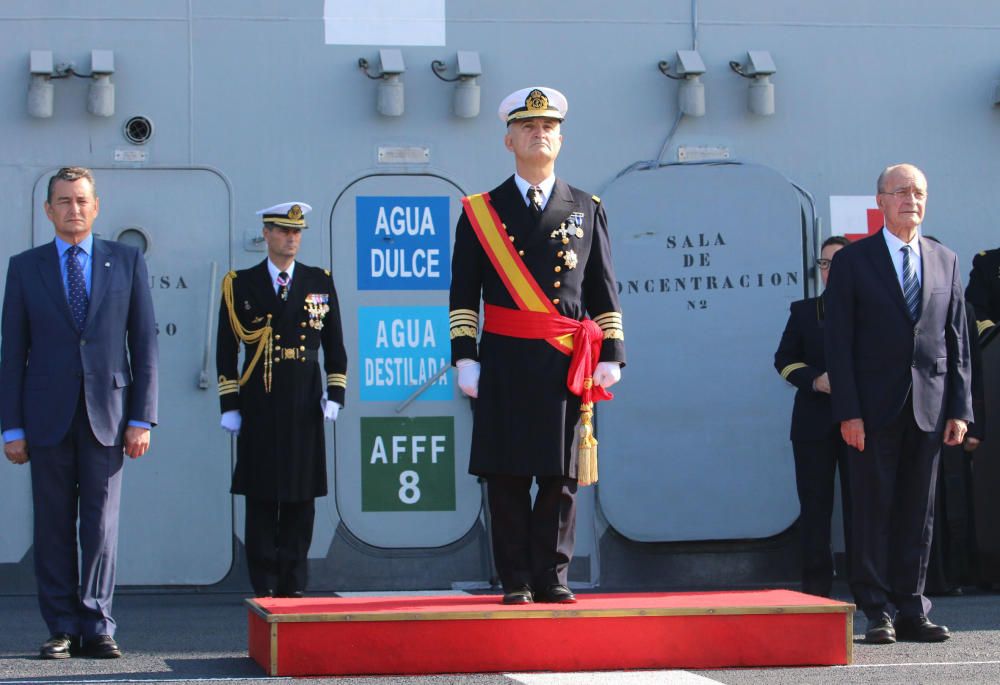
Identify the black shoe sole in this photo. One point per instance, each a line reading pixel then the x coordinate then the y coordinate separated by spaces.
pixel 57 655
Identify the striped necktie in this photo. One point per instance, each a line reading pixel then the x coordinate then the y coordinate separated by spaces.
pixel 76 287
pixel 911 286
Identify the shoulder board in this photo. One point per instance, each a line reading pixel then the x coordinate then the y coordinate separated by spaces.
pixel 595 199
pixel 983 253
pixel 326 271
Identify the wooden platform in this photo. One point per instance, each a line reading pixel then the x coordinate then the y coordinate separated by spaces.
pixel 395 635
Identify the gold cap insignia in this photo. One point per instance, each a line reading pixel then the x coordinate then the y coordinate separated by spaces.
pixel 295 213
pixel 536 101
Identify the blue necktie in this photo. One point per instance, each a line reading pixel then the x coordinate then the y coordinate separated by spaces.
pixel 911 286
pixel 77 286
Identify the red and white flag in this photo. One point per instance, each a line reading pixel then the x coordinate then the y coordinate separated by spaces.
pixel 854 216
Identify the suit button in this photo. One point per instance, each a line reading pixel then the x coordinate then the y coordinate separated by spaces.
pixel 277 347
pixel 302 324
pixel 302 337
pixel 302 348
pixel 558 269
pixel 511 238
pixel 559 253
pixel 556 284
pixel 277 337
pixel 555 300
pixel 521 252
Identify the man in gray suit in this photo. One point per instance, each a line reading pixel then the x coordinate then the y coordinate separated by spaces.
pixel 78 371
pixel 897 353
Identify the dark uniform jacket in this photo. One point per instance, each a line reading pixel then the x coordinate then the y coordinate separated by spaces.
pixel 281 454
pixel 800 359
pixel 524 416
pixel 983 291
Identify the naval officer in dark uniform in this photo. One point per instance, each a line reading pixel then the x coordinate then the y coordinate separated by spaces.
pixel 816 442
pixel 283 312
pixel 548 269
pixel 983 291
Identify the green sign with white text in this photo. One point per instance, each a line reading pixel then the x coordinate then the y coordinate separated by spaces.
pixel 408 464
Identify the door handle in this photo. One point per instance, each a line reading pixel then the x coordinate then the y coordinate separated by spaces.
pixel 204 376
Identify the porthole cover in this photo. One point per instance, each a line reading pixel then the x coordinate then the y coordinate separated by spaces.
pixel 138 130
pixel 134 236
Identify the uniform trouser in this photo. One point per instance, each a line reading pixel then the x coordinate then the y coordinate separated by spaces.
pixel 277 538
pixel 76 477
pixel 892 501
pixel 815 464
pixel 532 543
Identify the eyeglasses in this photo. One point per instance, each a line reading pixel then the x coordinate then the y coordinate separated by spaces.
pixel 823 263
pixel 903 193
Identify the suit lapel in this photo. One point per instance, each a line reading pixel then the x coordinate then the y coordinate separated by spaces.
pixel 51 274
pixel 513 211
pixel 101 266
pixel 929 272
pixel 878 252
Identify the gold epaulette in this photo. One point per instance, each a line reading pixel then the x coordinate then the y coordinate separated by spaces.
pixel 984 325
pixel 787 371
pixel 983 253
pixel 326 271
pixel 595 199
pixel 611 324
pixel 262 336
pixel 338 380
pixel 464 323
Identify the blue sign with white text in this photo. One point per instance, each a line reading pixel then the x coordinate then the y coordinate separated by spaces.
pixel 400 349
pixel 403 243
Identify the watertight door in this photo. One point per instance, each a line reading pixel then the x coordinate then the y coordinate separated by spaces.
pixel 176 511
pixel 695 444
pixel 402 456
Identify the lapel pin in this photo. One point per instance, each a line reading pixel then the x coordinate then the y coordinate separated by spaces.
pixel 107 264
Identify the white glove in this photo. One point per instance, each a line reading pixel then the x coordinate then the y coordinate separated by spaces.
pixel 231 421
pixel 607 374
pixel 330 409
pixel 468 376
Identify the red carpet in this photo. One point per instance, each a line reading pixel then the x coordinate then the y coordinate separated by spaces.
pixel 470 634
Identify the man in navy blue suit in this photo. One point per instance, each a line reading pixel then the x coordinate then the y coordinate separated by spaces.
pixel 897 353
pixel 78 371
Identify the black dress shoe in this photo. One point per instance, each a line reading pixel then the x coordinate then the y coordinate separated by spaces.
pixel 101 647
pixel 920 629
pixel 880 631
pixel 294 594
pixel 59 646
pixel 558 594
pixel 264 594
pixel 519 595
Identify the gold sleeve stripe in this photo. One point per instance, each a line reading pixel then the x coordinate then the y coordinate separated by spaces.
pixel 228 391
pixel 605 325
pixel 785 372
pixel 983 325
pixel 337 379
pixel 616 334
pixel 463 313
pixel 469 320
pixel 608 316
pixel 464 332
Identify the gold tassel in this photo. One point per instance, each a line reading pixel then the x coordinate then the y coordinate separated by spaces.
pixel 586 464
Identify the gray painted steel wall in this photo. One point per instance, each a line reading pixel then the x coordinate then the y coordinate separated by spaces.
pixel 252 91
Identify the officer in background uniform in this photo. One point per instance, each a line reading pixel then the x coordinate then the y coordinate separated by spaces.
pixel 983 291
pixel 282 312
pixel 816 442
pixel 554 268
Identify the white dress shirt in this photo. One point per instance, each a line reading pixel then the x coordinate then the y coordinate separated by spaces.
pixel 545 186
pixel 895 252
pixel 274 271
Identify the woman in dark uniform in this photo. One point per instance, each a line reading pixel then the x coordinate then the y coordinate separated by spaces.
pixel 816 441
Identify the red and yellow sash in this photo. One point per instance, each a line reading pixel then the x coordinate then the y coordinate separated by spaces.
pixel 537 318
pixel 521 285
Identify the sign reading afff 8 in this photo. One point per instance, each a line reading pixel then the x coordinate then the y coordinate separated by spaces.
pixel 408 464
